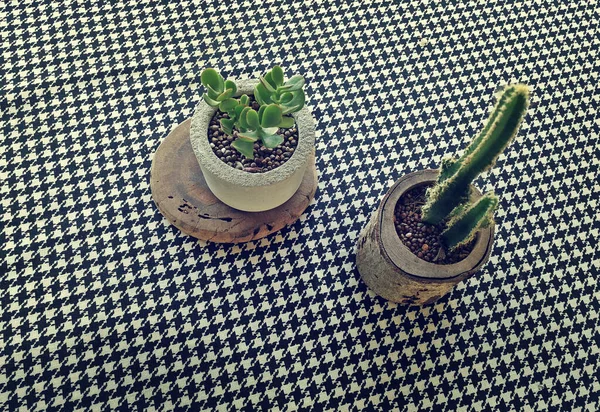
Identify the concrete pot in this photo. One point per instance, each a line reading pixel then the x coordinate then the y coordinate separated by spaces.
pixel 392 271
pixel 252 192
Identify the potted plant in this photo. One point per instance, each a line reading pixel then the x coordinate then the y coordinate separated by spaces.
pixel 253 139
pixel 433 228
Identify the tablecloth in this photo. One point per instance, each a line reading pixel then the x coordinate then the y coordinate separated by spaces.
pixel 104 305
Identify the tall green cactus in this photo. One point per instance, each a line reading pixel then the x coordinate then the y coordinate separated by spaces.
pixel 451 193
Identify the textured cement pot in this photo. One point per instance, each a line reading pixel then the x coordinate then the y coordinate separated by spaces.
pixel 252 192
pixel 392 271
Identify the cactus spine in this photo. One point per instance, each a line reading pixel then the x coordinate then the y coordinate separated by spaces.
pixel 450 196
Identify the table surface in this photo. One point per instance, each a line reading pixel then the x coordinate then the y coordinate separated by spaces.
pixel 103 304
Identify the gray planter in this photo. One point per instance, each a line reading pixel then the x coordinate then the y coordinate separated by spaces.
pixel 392 271
pixel 252 192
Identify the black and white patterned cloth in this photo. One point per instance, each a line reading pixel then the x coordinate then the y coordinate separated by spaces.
pixel 104 305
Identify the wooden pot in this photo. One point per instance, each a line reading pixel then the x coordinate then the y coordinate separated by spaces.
pixel 393 272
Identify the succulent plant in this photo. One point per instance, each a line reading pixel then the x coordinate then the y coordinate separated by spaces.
pixel 451 195
pixel 234 109
pixel 261 125
pixel 219 94
pixel 274 89
pixel 217 89
pixel 275 97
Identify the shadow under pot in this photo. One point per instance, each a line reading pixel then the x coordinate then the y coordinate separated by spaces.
pixel 393 271
pixel 242 190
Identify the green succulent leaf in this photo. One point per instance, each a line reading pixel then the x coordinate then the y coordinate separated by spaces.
pixel 269 130
pixel 213 78
pixel 228 105
pixel 230 85
pixel 277 75
pixel 252 119
pixel 291 109
pixel 225 95
pixel 267 85
pixel 227 125
pixel 271 116
pixel 262 95
pixel 244 99
pixel 242 118
pixel 261 111
pixel 246 148
pixel 294 83
pixel 210 101
pixel 269 78
pixel 212 93
pixel 286 122
pixel 295 104
pixel 238 110
pixel 272 140
pixel 286 98
pixel 249 136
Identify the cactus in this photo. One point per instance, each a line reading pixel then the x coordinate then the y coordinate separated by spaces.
pixel 463 226
pixel 450 196
pixel 450 166
pixel 276 98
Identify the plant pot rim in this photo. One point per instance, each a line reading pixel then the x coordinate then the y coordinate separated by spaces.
pixel 403 258
pixel 207 158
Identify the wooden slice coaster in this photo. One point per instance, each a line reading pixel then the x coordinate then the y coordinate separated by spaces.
pixel 182 196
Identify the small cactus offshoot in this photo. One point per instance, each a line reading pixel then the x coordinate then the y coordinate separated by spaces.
pixel 463 226
pixel 451 194
pixel 276 98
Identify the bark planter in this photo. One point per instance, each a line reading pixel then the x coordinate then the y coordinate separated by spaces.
pixel 392 271
pixel 252 192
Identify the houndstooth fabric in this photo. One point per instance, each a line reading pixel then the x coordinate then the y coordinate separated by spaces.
pixel 104 305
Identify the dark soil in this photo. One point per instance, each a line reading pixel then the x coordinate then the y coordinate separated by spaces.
pixel 264 159
pixel 421 238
